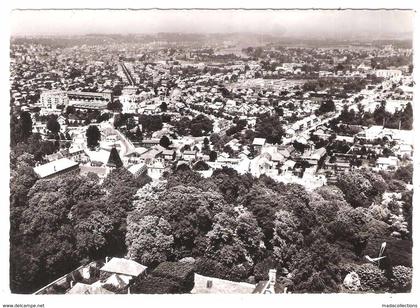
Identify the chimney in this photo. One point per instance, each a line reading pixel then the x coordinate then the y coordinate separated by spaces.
pixel 272 273
pixel 106 259
pixel 209 284
pixel 128 290
pixel 71 284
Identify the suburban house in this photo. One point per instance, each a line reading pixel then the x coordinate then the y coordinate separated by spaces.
pixel 387 163
pixel 189 155
pixel 124 268
pixel 314 157
pixel 169 155
pixel 133 156
pixel 258 143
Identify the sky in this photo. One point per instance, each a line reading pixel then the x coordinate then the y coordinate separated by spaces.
pixel 286 22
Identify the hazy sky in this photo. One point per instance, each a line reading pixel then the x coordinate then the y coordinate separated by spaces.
pixel 288 22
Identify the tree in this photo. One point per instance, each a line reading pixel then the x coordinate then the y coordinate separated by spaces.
pixel 25 125
pixel 326 107
pixel 404 173
pixel 70 110
pixel 114 159
pixel 330 193
pixel 165 142
pixel 402 278
pixel 155 285
pixel 206 147
pixel 215 138
pixel 372 279
pixel 114 106
pixel 368 185
pixel 316 268
pixel 92 233
pixel 53 126
pixel 287 239
pixel 201 166
pixel 179 272
pixel 22 178
pixel 299 146
pixel 118 120
pixel 189 210
pixel 269 127
pixel 149 239
pixel 213 155
pixel 163 106
pixel 93 136
pixel 151 123
pixel 223 243
pixel 182 126
pixel 139 134
pixel 46 234
pixel 201 125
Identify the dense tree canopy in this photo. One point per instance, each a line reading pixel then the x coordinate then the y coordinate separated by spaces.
pixel 93 136
pixel 198 126
pixel 269 127
pixel 149 239
pixel 53 125
pixel 59 222
pixel 20 127
pixel 165 142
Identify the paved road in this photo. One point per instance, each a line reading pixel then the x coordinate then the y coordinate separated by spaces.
pixel 127 74
pixel 126 145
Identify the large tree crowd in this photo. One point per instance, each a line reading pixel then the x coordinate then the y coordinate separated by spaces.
pixel 57 224
pixel 238 227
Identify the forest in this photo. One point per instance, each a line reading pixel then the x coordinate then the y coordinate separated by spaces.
pixel 232 226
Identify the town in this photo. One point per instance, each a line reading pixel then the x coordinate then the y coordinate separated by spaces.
pixel 189 163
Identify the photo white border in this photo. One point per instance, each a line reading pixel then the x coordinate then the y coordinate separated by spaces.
pixel 296 300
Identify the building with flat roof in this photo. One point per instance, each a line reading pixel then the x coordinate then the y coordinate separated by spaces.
pixel 53 98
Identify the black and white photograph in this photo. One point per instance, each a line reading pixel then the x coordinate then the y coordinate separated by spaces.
pixel 223 151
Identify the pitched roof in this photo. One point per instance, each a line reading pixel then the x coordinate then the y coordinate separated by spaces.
pixel 119 281
pixel 137 167
pixel 220 286
pixel 124 266
pixel 262 286
pixel 54 167
pixel 137 151
pixel 82 288
pixel 259 141
pixel 152 153
pixel 168 152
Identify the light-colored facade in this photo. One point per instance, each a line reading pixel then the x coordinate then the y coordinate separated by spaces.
pixel 54 98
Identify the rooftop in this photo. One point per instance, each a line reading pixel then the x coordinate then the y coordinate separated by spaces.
pixel 259 141
pixel 54 167
pixel 135 168
pixel 220 286
pixel 82 288
pixel 124 266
